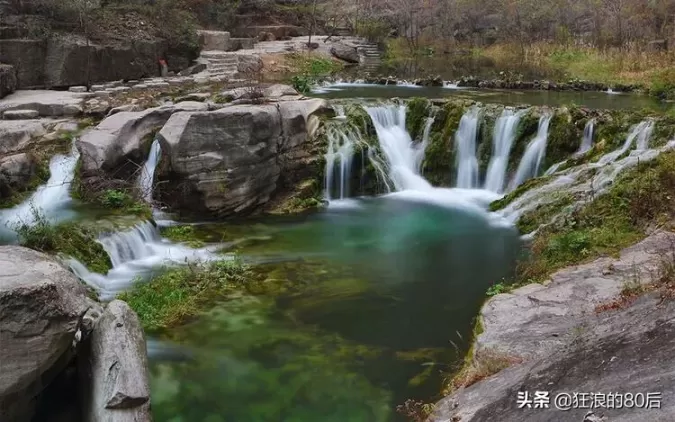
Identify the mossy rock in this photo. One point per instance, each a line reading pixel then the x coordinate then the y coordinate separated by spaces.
pixel 418 110
pixel 564 138
pixel 438 163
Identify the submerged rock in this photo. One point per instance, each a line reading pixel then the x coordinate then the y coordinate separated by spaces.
pixel 230 161
pixel 115 376
pixel 42 318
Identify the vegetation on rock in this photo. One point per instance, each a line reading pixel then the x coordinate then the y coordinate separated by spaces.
pixel 68 239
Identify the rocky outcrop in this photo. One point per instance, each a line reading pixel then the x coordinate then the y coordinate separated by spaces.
pixel 568 347
pixel 46 103
pixel 344 52
pixel 7 80
pixel 231 161
pixel 44 313
pixel 117 142
pixel 72 60
pixel 114 369
pixel 16 172
pixel 214 40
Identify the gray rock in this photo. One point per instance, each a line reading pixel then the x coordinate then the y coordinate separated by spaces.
pixel 214 40
pixel 20 114
pixel 16 172
pixel 42 308
pixel 117 388
pixel 116 143
pixel 47 103
pixel 627 351
pixel 8 80
pixel 16 135
pixel 228 161
pixel 196 96
pixel 77 89
pixel 567 346
pixel 126 107
pixel 345 52
pixel 193 70
pixel 279 90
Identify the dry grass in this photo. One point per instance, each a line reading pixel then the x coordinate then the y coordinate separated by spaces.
pixel 484 364
pixel 611 65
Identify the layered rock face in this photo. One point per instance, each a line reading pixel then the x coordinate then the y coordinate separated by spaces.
pixel 44 313
pixel 233 160
pixel 71 60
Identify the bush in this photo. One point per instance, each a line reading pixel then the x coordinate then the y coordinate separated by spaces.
pixel 663 84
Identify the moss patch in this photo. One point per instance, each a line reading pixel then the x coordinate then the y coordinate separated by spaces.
pixel 531 220
pixel 518 192
pixel 69 239
pixel 416 116
pixel 439 157
pixel 179 293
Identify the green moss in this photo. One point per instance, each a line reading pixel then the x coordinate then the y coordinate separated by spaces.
pixel 178 294
pixel 439 157
pixel 519 191
pixel 184 234
pixel 416 116
pixel 531 220
pixel 637 200
pixel 564 138
pixel 484 149
pixel 69 239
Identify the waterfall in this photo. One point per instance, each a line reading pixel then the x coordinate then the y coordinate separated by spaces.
pixel 642 130
pixel 340 151
pixel 534 153
pixel 587 141
pixel 50 199
pixel 136 253
pixel 554 168
pixel 403 156
pixel 147 175
pixel 503 137
pixel 465 141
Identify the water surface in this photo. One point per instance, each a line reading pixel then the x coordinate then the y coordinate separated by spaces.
pixel 378 301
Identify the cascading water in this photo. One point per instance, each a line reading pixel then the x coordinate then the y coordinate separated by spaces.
pixel 403 156
pixel 136 253
pixel 504 135
pixel 644 136
pixel 465 141
pixel 145 179
pixel 642 130
pixel 49 200
pixel 340 151
pixel 534 154
pixel 587 141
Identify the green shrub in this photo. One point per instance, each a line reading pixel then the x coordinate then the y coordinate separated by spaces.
pixel 663 84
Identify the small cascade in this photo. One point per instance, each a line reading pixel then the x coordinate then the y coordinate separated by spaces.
pixel 340 152
pixel 135 253
pixel 534 154
pixel 554 168
pixel 50 199
pixel 147 175
pixel 644 135
pixel 503 137
pixel 587 141
pixel 403 156
pixel 465 141
pixel 642 129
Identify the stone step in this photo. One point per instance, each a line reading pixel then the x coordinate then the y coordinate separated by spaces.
pixel 224 61
pixel 20 114
pixel 208 54
pixel 222 67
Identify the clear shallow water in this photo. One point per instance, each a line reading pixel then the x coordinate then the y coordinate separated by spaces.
pixel 378 294
pixel 600 100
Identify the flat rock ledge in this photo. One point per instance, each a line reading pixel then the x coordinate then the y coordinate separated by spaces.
pixel 566 346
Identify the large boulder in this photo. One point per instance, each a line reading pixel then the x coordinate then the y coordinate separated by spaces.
pixel 16 136
pixel 229 161
pixel 44 312
pixel 114 370
pixel 7 80
pixel 344 52
pixel 16 172
pixel 214 40
pixel 116 143
pixel 46 103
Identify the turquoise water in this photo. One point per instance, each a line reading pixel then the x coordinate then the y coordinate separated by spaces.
pixel 380 301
